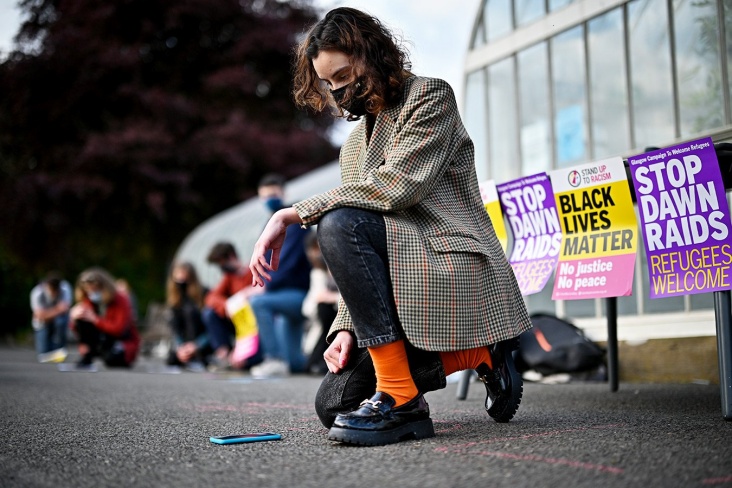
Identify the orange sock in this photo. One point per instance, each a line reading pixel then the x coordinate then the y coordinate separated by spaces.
pixel 453 361
pixel 392 372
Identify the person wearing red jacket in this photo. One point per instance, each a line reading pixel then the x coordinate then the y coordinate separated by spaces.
pixel 235 277
pixel 103 321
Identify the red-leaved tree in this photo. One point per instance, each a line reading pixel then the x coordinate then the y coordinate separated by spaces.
pixel 124 124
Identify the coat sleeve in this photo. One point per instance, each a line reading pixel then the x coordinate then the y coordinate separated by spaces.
pixel 216 298
pixel 67 293
pixel 414 161
pixel 35 298
pixel 117 318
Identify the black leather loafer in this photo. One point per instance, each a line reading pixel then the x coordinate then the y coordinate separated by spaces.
pixel 503 384
pixel 376 422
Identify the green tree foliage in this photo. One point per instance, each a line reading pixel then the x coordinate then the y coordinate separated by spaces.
pixel 125 124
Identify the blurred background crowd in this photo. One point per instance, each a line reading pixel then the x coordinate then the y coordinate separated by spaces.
pixel 271 331
pixel 124 125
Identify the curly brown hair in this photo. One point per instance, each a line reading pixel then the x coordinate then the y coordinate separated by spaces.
pixel 378 59
pixel 99 277
pixel 194 289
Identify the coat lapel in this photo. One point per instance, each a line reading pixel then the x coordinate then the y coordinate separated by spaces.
pixel 383 134
pixel 378 145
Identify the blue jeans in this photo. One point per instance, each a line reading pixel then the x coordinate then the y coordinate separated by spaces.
pixel 353 243
pixel 221 332
pixel 53 334
pixel 281 323
pixel 220 329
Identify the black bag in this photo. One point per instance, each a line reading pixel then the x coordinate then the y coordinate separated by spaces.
pixel 556 346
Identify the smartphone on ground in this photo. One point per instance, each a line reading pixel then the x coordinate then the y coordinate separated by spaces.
pixel 238 438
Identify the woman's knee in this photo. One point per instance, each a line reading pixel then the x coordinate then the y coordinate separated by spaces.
pixel 326 404
pixel 336 396
pixel 348 225
pixel 343 392
pixel 334 224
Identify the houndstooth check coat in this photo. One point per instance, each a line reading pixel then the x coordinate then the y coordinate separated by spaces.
pixel 453 286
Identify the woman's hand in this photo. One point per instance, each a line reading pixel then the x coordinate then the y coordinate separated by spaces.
pixel 82 312
pixel 272 238
pixel 76 311
pixel 186 351
pixel 337 355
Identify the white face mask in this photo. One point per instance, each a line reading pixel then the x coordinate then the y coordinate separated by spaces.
pixel 95 296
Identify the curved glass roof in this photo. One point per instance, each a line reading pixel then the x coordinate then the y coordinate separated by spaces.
pixel 242 224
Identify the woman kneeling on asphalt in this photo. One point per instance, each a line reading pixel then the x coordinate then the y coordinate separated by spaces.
pixel 103 321
pixel 426 288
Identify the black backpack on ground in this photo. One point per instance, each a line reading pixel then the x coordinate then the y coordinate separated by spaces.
pixel 555 346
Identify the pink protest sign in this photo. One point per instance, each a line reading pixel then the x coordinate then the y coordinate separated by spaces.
pixel 528 203
pixel 599 228
pixel 685 219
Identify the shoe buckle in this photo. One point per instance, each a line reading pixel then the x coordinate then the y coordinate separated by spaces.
pixel 373 405
pixel 491 375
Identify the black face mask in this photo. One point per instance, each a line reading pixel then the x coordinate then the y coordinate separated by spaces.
pixel 357 104
pixel 229 268
pixel 182 287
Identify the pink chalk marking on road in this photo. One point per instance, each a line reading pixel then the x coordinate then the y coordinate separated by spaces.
pixel 459 447
pixel 556 461
pixel 217 408
pixel 717 481
pixel 452 428
pixel 249 407
pixel 303 429
pixel 275 405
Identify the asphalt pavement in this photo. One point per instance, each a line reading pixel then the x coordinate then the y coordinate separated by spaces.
pixel 147 428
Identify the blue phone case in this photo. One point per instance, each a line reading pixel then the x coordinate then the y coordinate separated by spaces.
pixel 236 439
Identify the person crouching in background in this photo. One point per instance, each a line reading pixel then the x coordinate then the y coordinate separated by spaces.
pixel 185 300
pixel 50 302
pixel 103 322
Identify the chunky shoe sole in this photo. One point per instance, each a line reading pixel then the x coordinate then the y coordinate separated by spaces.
pixel 421 429
pixel 504 385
